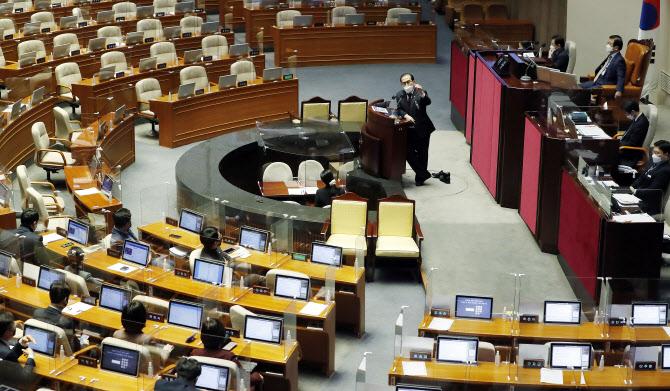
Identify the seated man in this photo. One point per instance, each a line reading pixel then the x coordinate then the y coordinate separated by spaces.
pixel 557 53
pixel 33 246
pixel 324 196
pixel 635 135
pixel 646 187
pixel 121 231
pixel 12 354
pixel 59 294
pixel 188 371
pixel 211 249
pixel 75 257
pixel 612 71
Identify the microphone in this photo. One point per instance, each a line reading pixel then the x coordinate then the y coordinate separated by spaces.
pixel 525 76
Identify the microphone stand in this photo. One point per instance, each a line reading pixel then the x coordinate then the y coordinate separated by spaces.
pixel 525 76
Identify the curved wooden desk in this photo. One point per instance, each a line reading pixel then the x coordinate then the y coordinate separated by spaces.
pixel 383 145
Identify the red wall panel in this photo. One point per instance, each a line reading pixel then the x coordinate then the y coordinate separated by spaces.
pixel 459 77
pixel 470 98
pixel 530 175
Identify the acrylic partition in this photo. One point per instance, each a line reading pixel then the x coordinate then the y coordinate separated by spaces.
pixel 7 204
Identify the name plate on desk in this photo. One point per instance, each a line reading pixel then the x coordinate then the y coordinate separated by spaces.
pixel 645 366
pixel 160 13
pixel 155 317
pixel 616 322
pixel 87 361
pixel 119 74
pixel 529 319
pixel 254 53
pixel 9 36
pixel 186 35
pixel 535 364
pixel 501 66
pixel 283 5
pixel 55 5
pixel 89 300
pixel 261 290
pixel 439 312
pixel 45 30
pixel 111 46
pixel 228 240
pixel 371 23
pixel 148 40
pixel 161 65
pixel 28 281
pixel 114 253
pixel 231 333
pixel 75 52
pixel 420 356
pixel 199 10
pixel 299 257
pixel 225 30
pixel 200 91
pixel 319 24
pixel 41 60
pixel 171 221
pixel 370 4
pixel 288 77
pixel 16 11
pixel 120 18
pixel 424 22
pixel 413 4
pixel 95 1
pixel 207 58
pixel 242 83
pixel 82 24
pixel 182 273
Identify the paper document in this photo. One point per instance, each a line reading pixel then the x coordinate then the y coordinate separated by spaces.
pixel 296 191
pixel 592 131
pixel 414 368
pixel 551 376
pixel 77 308
pixel 380 109
pixel 241 252
pixel 667 330
pixel 311 190
pixel 292 183
pixel 626 199
pixel 443 324
pixel 52 237
pixel 608 183
pixel 313 308
pixel 122 268
pixel 89 191
pixel 634 218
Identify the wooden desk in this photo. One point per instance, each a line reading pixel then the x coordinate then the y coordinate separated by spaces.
pixel 218 112
pixel 281 190
pixel 118 144
pixel 236 7
pixel 504 30
pixel 79 178
pixel 7 218
pixel 344 45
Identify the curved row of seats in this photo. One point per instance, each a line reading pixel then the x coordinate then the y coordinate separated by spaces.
pixel 285 18
pixel 125 9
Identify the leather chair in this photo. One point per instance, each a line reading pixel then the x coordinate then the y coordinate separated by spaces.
pixel 244 69
pixel 496 11
pixel 25 5
pixel 215 46
pixel 238 314
pixel 392 14
pixel 153 304
pixel 277 172
pixel 77 284
pixel 338 13
pixel 164 52
pixel 344 169
pixel 194 74
pixel 76 11
pixel 8 26
pixel 191 24
pixel 67 74
pixel 571 47
pixel 352 109
pixel 285 18
pixel 348 224
pixel 397 233
pixel 651 112
pixel 145 352
pixel 317 108
pixel 47 221
pixel 486 352
pixel 112 33
pixel 152 28
pixel 64 129
pixel 67 38
pixel 46 19
pixel 309 170
pixel 50 160
pixel 471 11
pixel 3 61
pixel 55 203
pixel 271 278
pixel 166 6
pixel 61 337
pixel 146 90
pixel 125 10
pixel 33 45
pixel 116 58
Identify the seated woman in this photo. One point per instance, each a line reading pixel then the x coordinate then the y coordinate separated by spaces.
pixel 213 340
pixel 75 257
pixel 324 196
pixel 211 239
pixel 133 319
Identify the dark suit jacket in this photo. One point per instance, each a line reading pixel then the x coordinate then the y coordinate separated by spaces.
pixel 255 378
pixel 560 58
pixel 33 244
pixel 647 187
pixel 53 316
pixel 416 108
pixel 179 384
pixel 13 354
pixel 615 74
pixel 323 196
pixel 634 137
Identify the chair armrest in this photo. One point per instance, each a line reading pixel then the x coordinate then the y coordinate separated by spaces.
pixel 58 208
pixel 74 121
pixel 417 227
pixel 368 230
pixel 166 370
pixel 325 228
pixel 64 86
pixel 10 62
pixel 62 140
pixel 46 220
pixel 374 229
pixel 642 151
pixel 48 184
pixel 87 349
pixel 39 157
pixel 211 83
pixel 143 101
pixel 618 135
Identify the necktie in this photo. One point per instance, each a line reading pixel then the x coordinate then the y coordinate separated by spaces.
pixel 603 69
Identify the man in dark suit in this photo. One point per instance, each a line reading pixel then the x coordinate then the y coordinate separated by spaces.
pixel 612 71
pixel 188 371
pixel 59 293
pixel 33 245
pixel 559 56
pixel 635 135
pixel 121 231
pixel 646 187
pixel 412 102
pixel 12 354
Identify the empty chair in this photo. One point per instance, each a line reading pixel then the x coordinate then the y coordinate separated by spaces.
pixel 8 26
pixel 116 58
pixel 316 108
pixel 496 11
pixel 125 10
pixel 238 314
pixel 190 24
pixel 50 160
pixel 244 69
pixel 76 11
pixel 112 33
pixel 153 304
pixel 164 52
pixel 33 45
pixel 4 62
pixel 25 183
pixel 215 46
pixel 146 90
pixel 392 14
pixel 571 47
pixel 46 19
pixel 277 172
pixel 285 18
pixel 66 74
pixel 339 12
pixel 486 352
pixel 194 74
pixel 348 214
pixel 344 169
pixel 352 108
pixel 64 128
pixel 66 38
pixel 472 11
pixel 77 284
pixel 25 5
pixel 309 170
pixel 46 220
pixel 152 28
pixel 271 277
pixel 166 6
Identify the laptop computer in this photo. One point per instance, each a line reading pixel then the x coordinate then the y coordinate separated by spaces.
pixel 144 12
pixel 114 297
pixel 407 18
pixel 31 28
pixel 271 74
pixel 45 340
pixel 213 377
pixel 106 73
pixel 354 19
pixel 186 91
pixel 184 7
pixel 136 252
pixel 16 109
pixel 97 44
pixel 147 64
pixel 185 314
pixel 227 81
pixel 192 56
pixel 118 114
pixel 302 21
pixel 105 16
pixel 68 22
pixel 209 28
pixel 292 287
pixel 37 96
pixel 238 50
pixel 134 38
pixel 172 32
pixel 325 254
pixel 61 51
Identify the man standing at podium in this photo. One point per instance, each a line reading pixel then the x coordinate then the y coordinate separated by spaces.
pixel 412 102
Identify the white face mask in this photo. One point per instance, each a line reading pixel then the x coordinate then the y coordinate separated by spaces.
pixel 408 89
pixel 552 48
pixel 656 159
pixel 609 48
pixel 630 116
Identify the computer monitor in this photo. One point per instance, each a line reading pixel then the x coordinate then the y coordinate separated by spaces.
pixel 326 254
pixel 263 329
pixel 302 21
pixel 271 74
pixel 567 355
pixel 473 307
pixel 38 95
pixel 32 28
pixel 136 252
pixel 457 349
pixel 184 313
pixel 107 184
pixel 354 19
pixel 192 56
pixel 45 340
pixel 77 232
pixel 94 165
pixel 411 387
pixel 183 7
pixel 191 221
pixel 227 81
pixel 97 43
pixel 186 90
pixel 254 239
pixel 121 360
pixel 27 59
pixel 650 314
pixel 172 32
pixel 213 377
pixel 568 312
pixel 209 27
pixel 4 199
pixel 107 73
pixel 16 109
pixel 5 263
pixel 407 18
pixel 135 37
pixel 48 276
pixel 148 64
pixel 207 271
pixel 146 11
pixel 61 51
pixel 241 49
pixel 665 357
pixel 113 297
pixel 67 22
pixel 118 114
pixel 105 16
pixel 292 287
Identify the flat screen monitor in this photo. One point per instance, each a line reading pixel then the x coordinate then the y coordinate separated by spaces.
pixel 474 307
pixel 98 43
pixel 121 360
pixel 567 312
pixel 147 64
pixel 107 73
pixel 238 50
pixel 45 340
pixel 192 56
pixel 4 200
pixel 38 94
pixel 186 90
pixel 213 377
pixel 209 27
pixel 67 22
pixel 94 166
pixel 263 329
pixel 135 37
pixel 302 21
pixel 113 297
pixel 207 271
pixel 570 355
pixel 31 28
pixel 146 11
pixel 650 314
pixel 5 263
pixel 455 349
pixel 254 239
pixel 105 16
pixel 292 287
pixel 61 51
pixel 411 387
pixel 16 109
pixel 191 221
pixel 271 74
pixel 107 184
pixel 118 114
pixel 183 313
pixel 48 276
pixel 77 232
pixel 354 19
pixel 326 254
pixel 665 357
pixel 135 252
pixel 183 7
pixel 407 18
pixel 227 81
pixel 171 32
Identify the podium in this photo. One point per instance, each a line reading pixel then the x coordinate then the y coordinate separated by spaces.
pixel 383 145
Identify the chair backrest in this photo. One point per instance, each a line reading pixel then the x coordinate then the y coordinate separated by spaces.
pixel 70 38
pixel 395 216
pixel 271 277
pixel 125 9
pixel 496 11
pixel 348 215
pixel 232 367
pixel 651 112
pixel 214 45
pixel 237 316
pixel 46 18
pixel 641 56
pixel 352 108
pixel 471 11
pixel 63 124
pixel 486 352
pixel 344 169
pixel 34 198
pixel 24 183
pixel 571 47
pixel 277 172
pixel 76 11
pixel 112 33
pixel 194 74
pixel 60 334
pixel 152 28
pixel 76 283
pixel 309 170
pixel 315 107
pixel 153 304
pixel 40 137
pixel 339 12
pixel 392 14
pixel 107 242
pixel 190 24
pixel 33 45
pixel 23 4
pixel 116 58
pixel 164 6
pixel 244 69
pixel 146 90
pixel 285 18
pixel 8 26
pixel 164 52
pixel 145 353
pixel 68 73
pixel 192 257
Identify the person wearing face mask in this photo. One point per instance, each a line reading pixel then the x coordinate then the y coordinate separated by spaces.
pixel 557 53
pixel 612 71
pixel 635 135
pixel 646 187
pixel 412 101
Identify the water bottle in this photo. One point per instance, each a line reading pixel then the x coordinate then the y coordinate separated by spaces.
pixel 497 362
pixel 504 314
pixel 165 265
pixel 601 365
pixel 62 353
pixel 150 369
pixel 18 280
pixel 288 337
pixel 596 319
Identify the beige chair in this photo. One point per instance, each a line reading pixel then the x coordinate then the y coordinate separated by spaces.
pixel 340 12
pixel 64 128
pixel 116 58
pixel 107 242
pixel 111 33
pixel 166 6
pixel 152 28
pixel 145 352
pixel 61 337
pixel 50 160
pixel 33 45
pixel 153 304
pixel 316 108
pixel 76 11
pixel 3 61
pixel 348 224
pixel 238 314
pixel 194 74
pixel 8 26
pixel 277 172
pixel 344 169
pixel 46 19
pixel 54 202
pixel 272 274
pixel 392 14
pixel 146 90
pixel 66 38
pixel 486 352
pixel 191 24
pixel 215 46
pixel 67 74
pixel 195 254
pixel 125 10
pixel 77 284
pixel 47 221
pixel 353 109
pixel 244 69
pixel 571 47
pixel 309 170
pixel 164 52
pixel 25 5
pixel 285 18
